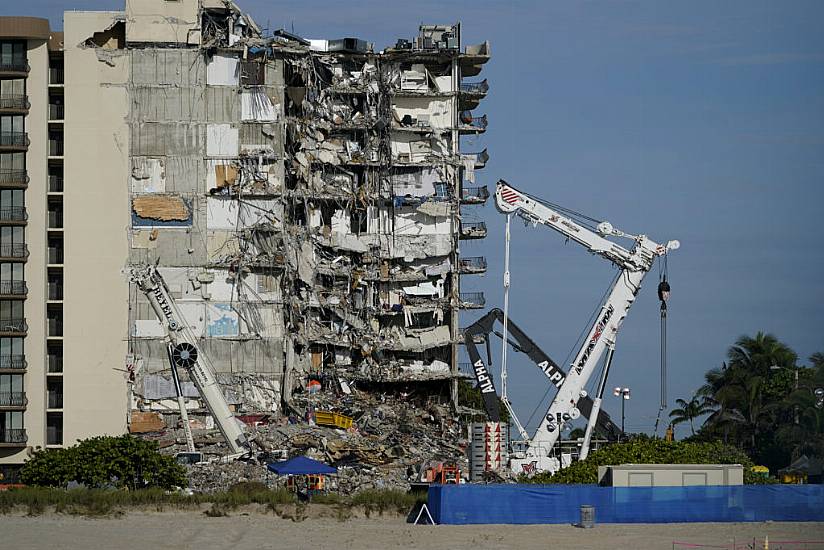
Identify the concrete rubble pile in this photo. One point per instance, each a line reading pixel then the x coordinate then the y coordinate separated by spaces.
pixel 393 435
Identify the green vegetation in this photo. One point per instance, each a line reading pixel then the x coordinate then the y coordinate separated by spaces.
pixel 100 502
pixel 754 404
pixel 471 396
pixel 122 462
pixel 643 450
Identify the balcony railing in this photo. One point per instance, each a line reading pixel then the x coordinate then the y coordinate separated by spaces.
pixel 56 75
pixel 472 300
pixel 13 214
pixel 13 362
pixel 473 230
pixel 55 291
pixel 55 219
pixel 55 255
pixel 474 195
pixel 479 88
pixel 16 251
pixel 55 184
pixel 55 400
pixel 13 399
pixel 13 288
pixel 14 139
pixel 55 327
pixel 15 66
pixel 57 112
pixel 473 123
pixel 13 177
pixel 13 436
pixel 14 102
pixel 16 326
pixel 472 264
pixel 55 364
pixel 55 147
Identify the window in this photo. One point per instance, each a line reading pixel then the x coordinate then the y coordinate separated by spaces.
pixel 12 236
pixel 11 347
pixel 12 124
pixel 11 198
pixel 11 272
pixel 13 54
pixel 12 87
pixel 12 161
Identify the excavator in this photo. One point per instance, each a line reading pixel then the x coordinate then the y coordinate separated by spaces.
pixel 535 453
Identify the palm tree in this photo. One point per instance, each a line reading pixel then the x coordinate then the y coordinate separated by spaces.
pixel 690 410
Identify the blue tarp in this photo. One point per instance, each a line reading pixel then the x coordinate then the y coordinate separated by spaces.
pixel 301 465
pixel 465 504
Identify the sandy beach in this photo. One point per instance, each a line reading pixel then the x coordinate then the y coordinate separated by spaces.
pixel 255 530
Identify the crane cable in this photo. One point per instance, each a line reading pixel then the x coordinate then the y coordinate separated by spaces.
pixel 663 296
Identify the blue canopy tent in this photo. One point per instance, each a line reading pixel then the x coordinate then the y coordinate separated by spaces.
pixel 313 470
pixel 301 466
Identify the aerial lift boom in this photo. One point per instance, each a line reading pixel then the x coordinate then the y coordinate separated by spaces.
pixel 634 264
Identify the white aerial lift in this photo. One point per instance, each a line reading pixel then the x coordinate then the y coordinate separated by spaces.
pixel 535 454
pixel 184 353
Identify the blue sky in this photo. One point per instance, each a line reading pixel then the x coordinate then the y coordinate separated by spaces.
pixel 697 121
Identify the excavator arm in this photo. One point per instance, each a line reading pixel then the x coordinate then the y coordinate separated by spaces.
pixel 521 342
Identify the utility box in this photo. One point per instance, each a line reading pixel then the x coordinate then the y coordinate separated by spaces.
pixel 670 475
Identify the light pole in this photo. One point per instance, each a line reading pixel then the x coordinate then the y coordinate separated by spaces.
pixel 624 394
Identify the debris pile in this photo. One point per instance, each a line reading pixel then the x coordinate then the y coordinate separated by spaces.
pixel 393 434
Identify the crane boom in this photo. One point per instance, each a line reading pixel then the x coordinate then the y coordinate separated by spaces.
pixel 634 265
pixel 184 353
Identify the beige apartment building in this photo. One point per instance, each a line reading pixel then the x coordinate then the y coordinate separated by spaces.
pixel 307 202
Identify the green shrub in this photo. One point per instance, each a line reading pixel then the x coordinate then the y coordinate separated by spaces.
pixel 104 461
pixel 648 451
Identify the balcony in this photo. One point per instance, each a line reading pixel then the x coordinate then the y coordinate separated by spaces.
pixel 13 437
pixel 56 255
pixel 473 230
pixel 474 195
pixel 14 67
pixel 55 219
pixel 14 252
pixel 55 184
pixel 55 400
pixel 55 291
pixel 55 327
pixel 56 76
pixel 56 147
pixel 56 112
pixel 13 215
pixel 475 88
pixel 13 400
pixel 55 364
pixel 469 124
pixel 478 159
pixel 13 289
pixel 14 141
pixel 472 300
pixel 472 264
pixel 14 363
pixel 13 327
pixel 14 178
pixel 14 103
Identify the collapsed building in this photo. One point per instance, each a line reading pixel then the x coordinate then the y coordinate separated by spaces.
pixel 307 202
pixel 302 199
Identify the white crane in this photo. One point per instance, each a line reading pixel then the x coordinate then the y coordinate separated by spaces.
pixel 634 265
pixel 183 352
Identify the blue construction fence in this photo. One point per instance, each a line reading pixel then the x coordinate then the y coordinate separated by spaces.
pixel 465 504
